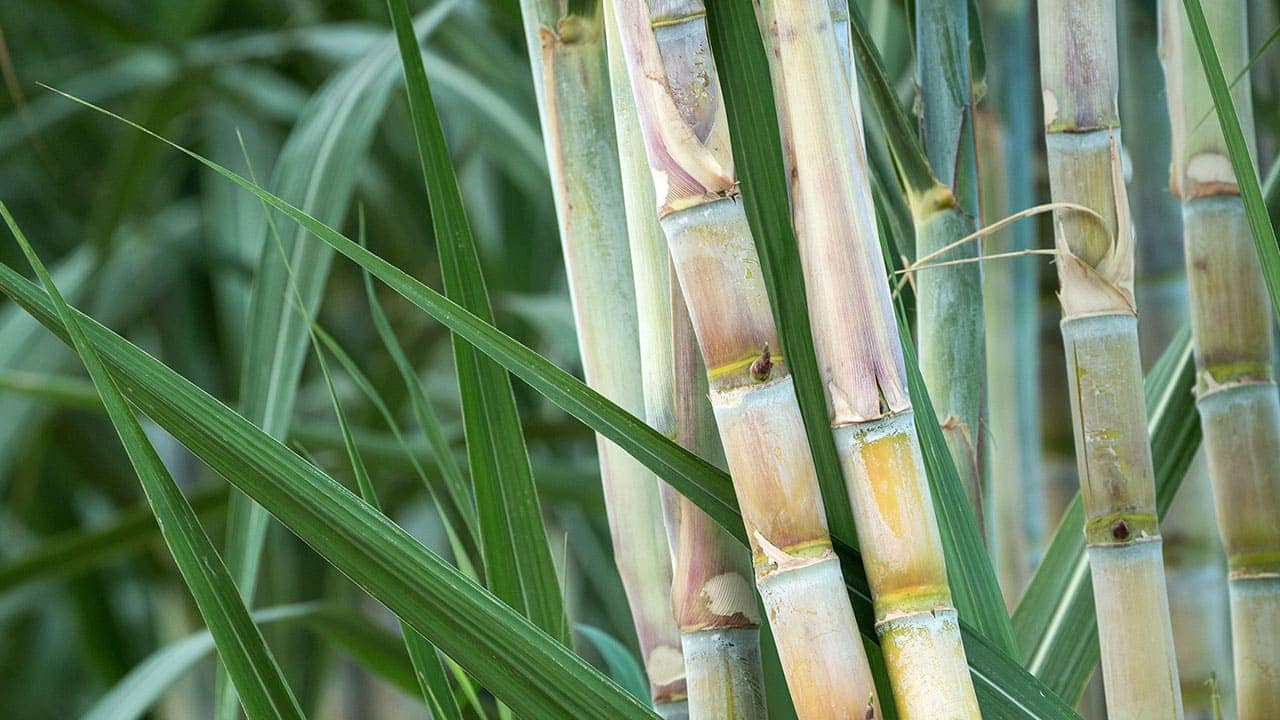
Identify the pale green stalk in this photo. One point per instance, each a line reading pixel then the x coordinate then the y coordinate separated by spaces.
pixel 1231 336
pixel 682 118
pixel 1010 289
pixel 861 365
pixel 1197 585
pixel 570 69
pixel 1078 69
pixel 949 316
pixel 713 601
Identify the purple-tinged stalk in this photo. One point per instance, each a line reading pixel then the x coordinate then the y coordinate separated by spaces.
pixel 860 360
pixel 682 118
pixel 712 597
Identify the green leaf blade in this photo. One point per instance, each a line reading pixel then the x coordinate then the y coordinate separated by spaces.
pixel 517 556
pixel 704 484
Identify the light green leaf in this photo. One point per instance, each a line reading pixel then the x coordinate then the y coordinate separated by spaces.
pixel 623 667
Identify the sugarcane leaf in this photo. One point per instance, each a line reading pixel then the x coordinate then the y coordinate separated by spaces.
pixel 77 551
pixel 427 666
pixel 1055 622
pixel 1264 236
pixel 147 682
pixel 425 414
pixel 461 556
pixel 623 667
pixel 517 557
pixel 523 666
pixel 703 483
pixel 752 117
pixel 249 663
pixel 318 169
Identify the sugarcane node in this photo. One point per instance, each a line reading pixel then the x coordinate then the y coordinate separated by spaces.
pixel 1120 530
pixel 763 365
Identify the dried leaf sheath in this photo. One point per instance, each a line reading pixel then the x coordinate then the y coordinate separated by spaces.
pixel 1231 336
pixel 860 360
pixel 712 595
pixel 576 118
pixel 677 95
pixel 1079 71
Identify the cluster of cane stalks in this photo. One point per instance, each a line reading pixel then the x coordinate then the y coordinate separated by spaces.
pixel 675 324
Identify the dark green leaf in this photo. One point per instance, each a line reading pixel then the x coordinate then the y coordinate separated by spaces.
pixel 244 653
pixel 517 557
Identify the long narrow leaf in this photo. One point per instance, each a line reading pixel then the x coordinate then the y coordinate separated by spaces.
pixel 898 130
pixel 427 665
pixel 517 556
pixel 244 653
pixel 318 169
pixel 428 421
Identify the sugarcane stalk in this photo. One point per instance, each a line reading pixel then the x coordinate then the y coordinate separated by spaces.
pixel 1078 69
pixel 712 598
pixel 1231 337
pixel 949 313
pixel 673 80
pixel 1192 553
pixel 567 53
pixel 1010 291
pixel 860 361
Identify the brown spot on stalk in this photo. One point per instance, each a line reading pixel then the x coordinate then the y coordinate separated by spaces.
pixel 763 365
pixel 871 708
pixel 1120 530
